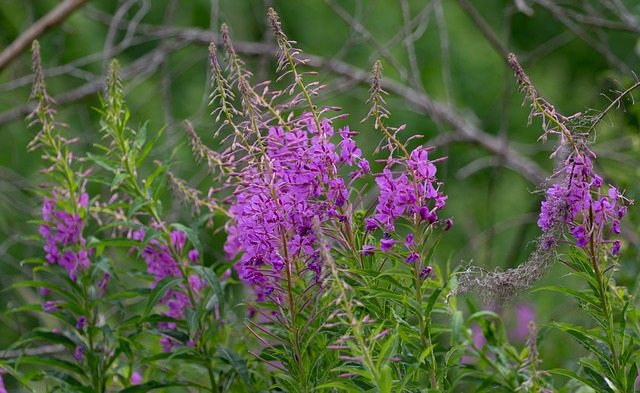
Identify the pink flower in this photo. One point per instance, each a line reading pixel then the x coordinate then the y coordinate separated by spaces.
pixel 136 378
pixel 2 388
pixel 524 313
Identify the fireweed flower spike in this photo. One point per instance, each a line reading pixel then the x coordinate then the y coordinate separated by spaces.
pixel 64 208
pixel 576 205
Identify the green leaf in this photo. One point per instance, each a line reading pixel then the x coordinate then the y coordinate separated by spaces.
pixel 576 377
pixel 631 376
pixel 216 295
pixel 158 172
pixel 191 235
pixel 43 335
pixel 341 385
pixel 137 204
pixel 481 315
pixel 153 385
pixel 182 352
pixel 105 163
pixel 237 362
pixel 386 379
pixel 434 298
pixel 53 362
pixel 578 295
pixel 587 339
pixel 161 288
pixel 193 324
pixel 117 180
pixel 69 380
pixel 141 137
pixel 457 321
pixel 389 345
pixel 148 147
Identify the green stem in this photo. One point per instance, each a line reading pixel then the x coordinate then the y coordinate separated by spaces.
pixel 606 310
pixel 212 377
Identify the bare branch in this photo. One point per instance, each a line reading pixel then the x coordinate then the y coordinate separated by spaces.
pixel 437 110
pixel 144 64
pixel 484 28
pixel 54 17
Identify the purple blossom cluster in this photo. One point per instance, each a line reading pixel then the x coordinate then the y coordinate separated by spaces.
pixel 296 182
pixel 62 233
pixel 161 263
pixel 581 203
pixel 409 194
pixel 280 195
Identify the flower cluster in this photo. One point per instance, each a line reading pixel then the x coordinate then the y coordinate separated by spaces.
pixel 279 196
pixel 161 263
pixel 412 194
pixel 580 202
pixel 576 203
pixel 62 234
pixel 409 195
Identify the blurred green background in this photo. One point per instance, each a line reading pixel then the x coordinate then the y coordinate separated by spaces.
pixel 448 80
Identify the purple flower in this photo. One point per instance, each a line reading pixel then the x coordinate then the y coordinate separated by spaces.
pixel 579 201
pixel 51 306
pixel 63 241
pixel 349 151
pixel 448 223
pixel 178 239
pixel 524 313
pixel 426 272
pixel 102 284
pixel 409 193
pixel 386 245
pixel 196 283
pixel 273 209
pixel 159 261
pixel 368 249
pixel 580 235
pixel 84 200
pixel 409 240
pixel 177 304
pixel 615 227
pixel 167 343
pixel 78 354
pixel 68 228
pixel 193 255
pixel 615 250
pixel 371 224
pixel 553 208
pixel 2 388
pixel 225 275
pixel 136 378
pixel 395 196
pixel 48 208
pixel 80 324
pixel 315 266
pixel 412 257
pixel 74 262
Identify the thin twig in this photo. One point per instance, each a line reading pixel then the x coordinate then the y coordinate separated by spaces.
pixel 484 28
pixel 54 17
pixel 613 103
pixel 147 63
